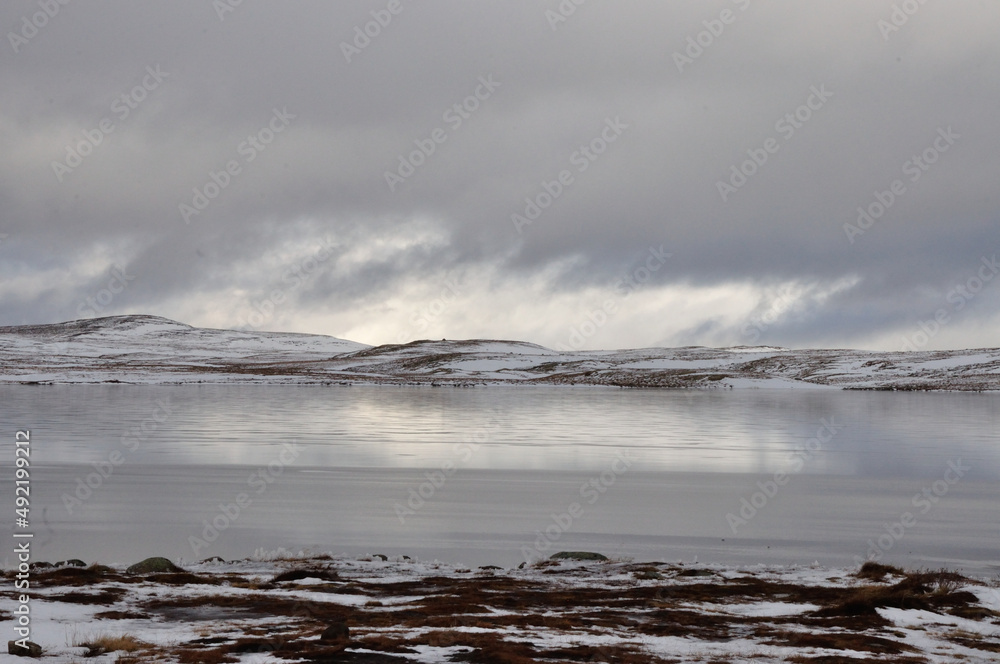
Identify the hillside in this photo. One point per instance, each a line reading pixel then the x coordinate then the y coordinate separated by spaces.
pixel 150 349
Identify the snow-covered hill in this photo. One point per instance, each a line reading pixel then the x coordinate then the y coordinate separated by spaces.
pixel 149 349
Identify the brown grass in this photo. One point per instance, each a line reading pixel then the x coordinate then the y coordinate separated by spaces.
pixel 106 597
pixel 79 576
pixel 105 643
pixel 299 574
pixel 918 590
pixel 635 602
pixel 874 571
pixel 834 641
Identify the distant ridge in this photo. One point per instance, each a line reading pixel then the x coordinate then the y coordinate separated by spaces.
pixel 152 349
pixel 132 321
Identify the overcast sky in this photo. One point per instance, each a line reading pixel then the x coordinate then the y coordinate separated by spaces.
pixel 601 175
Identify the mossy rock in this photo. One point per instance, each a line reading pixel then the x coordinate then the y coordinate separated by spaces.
pixel 154 564
pixel 578 555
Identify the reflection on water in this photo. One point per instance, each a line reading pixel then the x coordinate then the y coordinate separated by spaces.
pixel 749 431
pixel 515 457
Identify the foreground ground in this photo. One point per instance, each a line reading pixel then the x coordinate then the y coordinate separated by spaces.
pixel 370 610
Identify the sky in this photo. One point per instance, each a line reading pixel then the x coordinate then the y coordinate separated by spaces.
pixel 573 173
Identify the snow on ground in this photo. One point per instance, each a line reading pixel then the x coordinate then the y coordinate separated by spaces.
pixel 773 383
pixel 955 361
pixel 402 610
pixel 149 350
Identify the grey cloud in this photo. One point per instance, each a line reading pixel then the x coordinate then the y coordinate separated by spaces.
pixel 324 175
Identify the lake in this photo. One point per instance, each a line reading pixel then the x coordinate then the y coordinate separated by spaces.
pixel 498 475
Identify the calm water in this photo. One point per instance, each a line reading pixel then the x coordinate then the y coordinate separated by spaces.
pixel 500 474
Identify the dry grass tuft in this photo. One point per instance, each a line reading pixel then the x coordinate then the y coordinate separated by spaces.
pixel 874 571
pixel 918 590
pixel 105 643
pixel 299 574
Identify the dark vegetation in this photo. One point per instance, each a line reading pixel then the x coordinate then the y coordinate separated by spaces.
pixel 654 599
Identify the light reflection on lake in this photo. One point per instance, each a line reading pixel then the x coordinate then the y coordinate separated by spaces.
pixel 748 431
pixel 518 454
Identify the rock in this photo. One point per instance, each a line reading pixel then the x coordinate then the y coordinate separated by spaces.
pixel 577 555
pixel 215 559
pixel 381 556
pixel 72 562
pixel 154 564
pixel 336 633
pixel 29 649
pixel 41 564
pixel 490 567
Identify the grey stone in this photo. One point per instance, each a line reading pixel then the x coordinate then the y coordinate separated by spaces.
pixel 578 555
pixel 30 649
pixel 154 564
